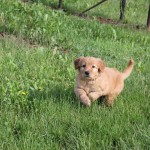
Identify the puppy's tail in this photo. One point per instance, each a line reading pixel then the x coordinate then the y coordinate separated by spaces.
pixel 128 70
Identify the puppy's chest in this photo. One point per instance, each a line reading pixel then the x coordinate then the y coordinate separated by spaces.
pixel 91 86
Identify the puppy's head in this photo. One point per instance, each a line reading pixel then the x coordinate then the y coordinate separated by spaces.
pixel 89 67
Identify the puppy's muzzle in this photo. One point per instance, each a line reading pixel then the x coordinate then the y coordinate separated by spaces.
pixel 87 73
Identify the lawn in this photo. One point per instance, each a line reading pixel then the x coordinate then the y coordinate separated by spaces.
pixel 38 107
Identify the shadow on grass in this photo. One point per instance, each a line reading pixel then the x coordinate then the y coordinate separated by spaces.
pixel 57 94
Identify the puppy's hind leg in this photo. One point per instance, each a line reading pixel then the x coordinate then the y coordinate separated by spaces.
pixel 111 97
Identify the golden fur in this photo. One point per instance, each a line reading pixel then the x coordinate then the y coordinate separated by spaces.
pixel 94 80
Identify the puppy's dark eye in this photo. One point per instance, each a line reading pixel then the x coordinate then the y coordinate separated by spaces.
pixel 93 66
pixel 83 66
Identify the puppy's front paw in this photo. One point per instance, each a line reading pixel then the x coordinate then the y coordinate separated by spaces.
pixel 85 100
pixel 93 96
pixel 87 103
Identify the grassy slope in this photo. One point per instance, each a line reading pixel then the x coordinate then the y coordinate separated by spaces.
pixel 136 10
pixel 38 106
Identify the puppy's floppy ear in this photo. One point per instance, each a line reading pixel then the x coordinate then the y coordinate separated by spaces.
pixel 101 65
pixel 76 62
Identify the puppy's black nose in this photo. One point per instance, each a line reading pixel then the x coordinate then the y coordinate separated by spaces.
pixel 87 73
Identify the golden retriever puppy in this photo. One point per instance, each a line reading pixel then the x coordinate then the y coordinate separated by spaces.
pixel 94 80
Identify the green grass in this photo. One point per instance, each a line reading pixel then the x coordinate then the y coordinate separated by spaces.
pixel 38 108
pixel 135 12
